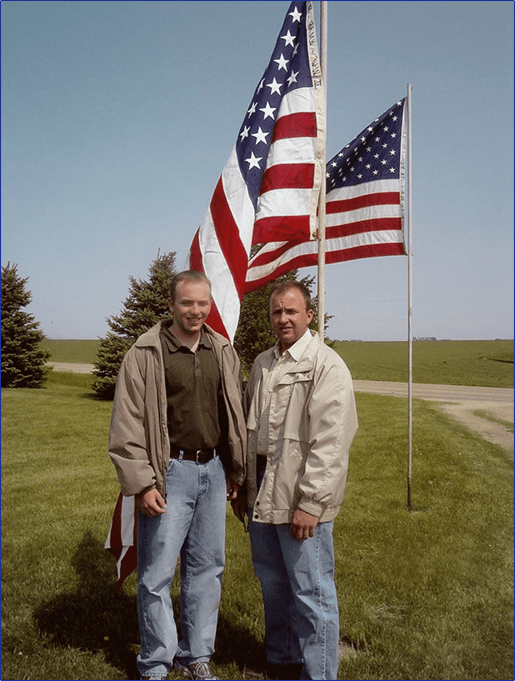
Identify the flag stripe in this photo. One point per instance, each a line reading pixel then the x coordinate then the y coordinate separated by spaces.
pixel 378 199
pixel 271 227
pixel 303 124
pixel 228 237
pixel 121 540
pixel 288 176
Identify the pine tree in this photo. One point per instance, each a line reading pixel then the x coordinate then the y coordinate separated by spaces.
pixel 24 363
pixel 254 333
pixel 145 305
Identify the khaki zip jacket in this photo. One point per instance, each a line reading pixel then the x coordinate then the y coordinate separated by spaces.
pixel 312 421
pixel 139 444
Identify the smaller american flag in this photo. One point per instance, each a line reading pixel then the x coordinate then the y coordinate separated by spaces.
pixel 365 186
pixel 122 538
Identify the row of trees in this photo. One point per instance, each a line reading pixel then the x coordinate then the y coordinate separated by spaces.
pixel 24 364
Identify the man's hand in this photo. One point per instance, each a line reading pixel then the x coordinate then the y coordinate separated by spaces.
pixel 303 525
pixel 239 507
pixel 232 489
pixel 151 503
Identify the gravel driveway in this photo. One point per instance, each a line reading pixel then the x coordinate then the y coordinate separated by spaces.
pixel 459 401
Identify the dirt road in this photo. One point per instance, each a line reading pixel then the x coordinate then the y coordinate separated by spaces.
pixel 459 401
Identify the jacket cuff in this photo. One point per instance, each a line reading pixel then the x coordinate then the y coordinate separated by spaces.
pixel 145 490
pixel 311 506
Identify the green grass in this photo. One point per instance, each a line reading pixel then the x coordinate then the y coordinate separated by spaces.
pixel 74 351
pixel 490 417
pixel 485 363
pixel 424 594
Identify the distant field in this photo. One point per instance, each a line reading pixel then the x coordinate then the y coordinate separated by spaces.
pixel 74 351
pixel 485 363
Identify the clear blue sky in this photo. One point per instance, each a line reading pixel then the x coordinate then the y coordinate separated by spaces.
pixel 118 118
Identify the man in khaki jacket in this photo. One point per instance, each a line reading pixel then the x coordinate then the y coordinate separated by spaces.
pixel 301 419
pixel 178 443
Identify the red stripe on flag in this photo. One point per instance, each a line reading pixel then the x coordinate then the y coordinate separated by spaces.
pixel 229 237
pixel 374 225
pixel 303 124
pixel 280 228
pixel 288 176
pixel 195 254
pixel 366 251
pixel 376 199
pixel 115 536
pixel 215 321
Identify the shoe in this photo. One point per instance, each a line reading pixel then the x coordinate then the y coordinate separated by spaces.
pixel 283 671
pixel 195 670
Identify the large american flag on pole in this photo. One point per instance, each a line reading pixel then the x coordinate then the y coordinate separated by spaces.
pixel 365 204
pixel 269 188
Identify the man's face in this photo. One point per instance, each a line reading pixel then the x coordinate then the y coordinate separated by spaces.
pixel 191 307
pixel 290 319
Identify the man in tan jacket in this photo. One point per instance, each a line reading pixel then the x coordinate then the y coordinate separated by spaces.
pixel 178 443
pixel 301 419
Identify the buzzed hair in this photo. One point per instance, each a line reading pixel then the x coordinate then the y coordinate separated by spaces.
pixel 187 275
pixel 287 284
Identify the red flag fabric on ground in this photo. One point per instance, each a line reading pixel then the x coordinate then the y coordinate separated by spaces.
pixel 365 204
pixel 269 188
pixel 122 538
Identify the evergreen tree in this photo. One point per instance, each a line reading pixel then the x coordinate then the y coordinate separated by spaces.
pixel 24 363
pixel 254 333
pixel 145 305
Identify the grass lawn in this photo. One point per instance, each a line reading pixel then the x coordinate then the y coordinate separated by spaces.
pixel 424 594
pixel 485 363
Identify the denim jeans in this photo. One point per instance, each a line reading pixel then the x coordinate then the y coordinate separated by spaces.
pixel 299 595
pixel 194 528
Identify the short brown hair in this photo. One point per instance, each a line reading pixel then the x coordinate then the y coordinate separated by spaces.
pixel 187 275
pixel 287 284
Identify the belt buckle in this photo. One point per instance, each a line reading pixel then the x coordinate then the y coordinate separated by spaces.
pixel 197 452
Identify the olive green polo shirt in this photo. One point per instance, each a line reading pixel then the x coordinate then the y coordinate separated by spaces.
pixel 192 389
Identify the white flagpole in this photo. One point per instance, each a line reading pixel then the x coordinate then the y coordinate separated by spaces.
pixel 321 204
pixel 410 301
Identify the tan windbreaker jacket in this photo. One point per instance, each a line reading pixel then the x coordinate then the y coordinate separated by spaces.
pixel 139 445
pixel 312 422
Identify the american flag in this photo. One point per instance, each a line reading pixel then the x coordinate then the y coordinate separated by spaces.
pixel 122 538
pixel 365 186
pixel 269 187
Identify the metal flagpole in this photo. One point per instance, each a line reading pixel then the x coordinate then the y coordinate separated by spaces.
pixel 321 203
pixel 410 339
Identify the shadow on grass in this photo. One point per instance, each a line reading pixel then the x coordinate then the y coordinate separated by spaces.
pixel 92 617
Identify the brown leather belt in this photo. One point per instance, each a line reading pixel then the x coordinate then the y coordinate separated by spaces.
pixel 196 455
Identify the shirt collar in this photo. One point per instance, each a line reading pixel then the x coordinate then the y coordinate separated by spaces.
pixel 297 349
pixel 174 344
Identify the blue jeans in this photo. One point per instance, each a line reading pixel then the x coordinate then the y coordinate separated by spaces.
pixel 299 595
pixel 194 528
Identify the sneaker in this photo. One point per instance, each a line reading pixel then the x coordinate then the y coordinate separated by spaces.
pixel 195 670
